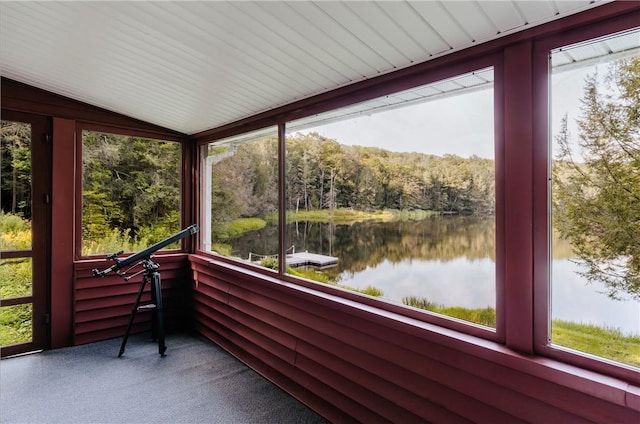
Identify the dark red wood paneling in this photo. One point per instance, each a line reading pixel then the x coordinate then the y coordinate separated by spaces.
pixel 518 237
pixel 62 231
pixel 376 366
pixel 102 306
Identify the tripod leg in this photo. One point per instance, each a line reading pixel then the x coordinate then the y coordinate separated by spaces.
pixel 159 317
pixel 154 315
pixel 132 317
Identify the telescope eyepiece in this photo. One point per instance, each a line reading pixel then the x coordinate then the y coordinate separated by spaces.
pixel 114 255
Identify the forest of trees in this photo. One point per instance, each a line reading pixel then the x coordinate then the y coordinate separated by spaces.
pixel 15 168
pixel 322 174
pixel 130 185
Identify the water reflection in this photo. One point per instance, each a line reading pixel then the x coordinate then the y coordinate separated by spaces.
pixel 572 299
pixel 449 260
pixel 460 282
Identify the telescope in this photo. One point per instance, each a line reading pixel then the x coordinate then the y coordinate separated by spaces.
pixel 144 254
pixel 151 277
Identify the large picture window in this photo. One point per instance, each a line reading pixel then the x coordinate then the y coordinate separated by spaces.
pixel 395 198
pixel 595 264
pixel 130 192
pixel 240 198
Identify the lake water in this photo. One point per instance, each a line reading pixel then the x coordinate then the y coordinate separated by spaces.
pixel 447 260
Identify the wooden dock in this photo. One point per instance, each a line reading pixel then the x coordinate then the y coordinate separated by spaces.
pixel 311 259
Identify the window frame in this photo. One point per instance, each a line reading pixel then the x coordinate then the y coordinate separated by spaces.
pixel 521 76
pixel 201 183
pixel 185 185
pixel 542 197
pixel 372 90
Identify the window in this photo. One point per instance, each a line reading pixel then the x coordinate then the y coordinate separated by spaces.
pixel 240 198
pixel 15 232
pixel 595 163
pixel 130 192
pixel 395 198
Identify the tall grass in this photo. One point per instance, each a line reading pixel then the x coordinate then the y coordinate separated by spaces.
pixel 483 316
pixel 15 232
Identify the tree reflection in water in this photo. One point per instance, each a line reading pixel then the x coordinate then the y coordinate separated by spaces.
pixel 447 260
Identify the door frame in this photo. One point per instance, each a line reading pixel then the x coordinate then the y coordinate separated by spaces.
pixel 41 153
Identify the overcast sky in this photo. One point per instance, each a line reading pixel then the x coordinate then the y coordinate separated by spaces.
pixel 460 125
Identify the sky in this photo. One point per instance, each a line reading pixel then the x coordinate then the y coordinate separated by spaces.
pixel 460 125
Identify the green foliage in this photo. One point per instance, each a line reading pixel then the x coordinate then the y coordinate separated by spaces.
pixel 12 223
pixel 15 232
pixel 597 200
pixel 131 191
pixel 269 262
pixel 326 177
pixel 15 168
pixel 114 240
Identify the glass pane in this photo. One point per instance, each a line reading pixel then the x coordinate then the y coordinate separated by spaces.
pixel 130 192
pixel 240 197
pixel 15 277
pixel 595 292
pixel 395 198
pixel 15 182
pixel 15 324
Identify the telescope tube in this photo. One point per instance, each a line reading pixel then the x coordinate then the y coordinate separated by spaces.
pixel 146 253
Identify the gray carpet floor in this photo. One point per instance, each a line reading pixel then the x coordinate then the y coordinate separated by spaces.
pixel 196 382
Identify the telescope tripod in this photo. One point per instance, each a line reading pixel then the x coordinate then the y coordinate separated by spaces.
pixel 152 277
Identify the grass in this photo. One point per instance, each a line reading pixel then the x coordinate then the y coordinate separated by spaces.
pixel 237 227
pixel 320 277
pixel 607 343
pixel 114 241
pixel 15 324
pixel 483 316
pixel 347 216
pixel 15 277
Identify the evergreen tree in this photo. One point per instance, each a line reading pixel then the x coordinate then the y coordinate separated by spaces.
pixel 597 198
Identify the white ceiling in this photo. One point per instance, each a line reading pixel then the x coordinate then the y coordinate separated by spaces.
pixel 192 66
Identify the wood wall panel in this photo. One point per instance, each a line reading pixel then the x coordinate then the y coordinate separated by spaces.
pixel 102 306
pixel 377 367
